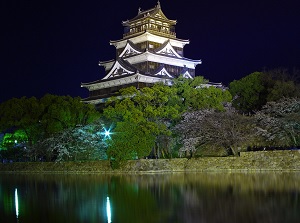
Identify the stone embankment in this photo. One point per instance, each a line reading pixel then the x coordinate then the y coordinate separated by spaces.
pixel 285 160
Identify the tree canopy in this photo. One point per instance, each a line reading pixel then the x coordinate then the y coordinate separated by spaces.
pixel 143 116
pixel 256 89
pixel 41 118
pixel 188 115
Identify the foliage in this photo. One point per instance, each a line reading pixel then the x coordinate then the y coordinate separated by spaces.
pixel 130 141
pixel 217 129
pixel 281 84
pixel 21 114
pixel 15 139
pixel 64 112
pixel 143 116
pixel 42 119
pixel 80 143
pixel 248 92
pixel 279 122
pixel 196 94
pixel 139 118
pixel 255 90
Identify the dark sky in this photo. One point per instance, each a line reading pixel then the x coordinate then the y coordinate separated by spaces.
pixel 51 47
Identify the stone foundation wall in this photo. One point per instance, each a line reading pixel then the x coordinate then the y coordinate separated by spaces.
pixel 287 160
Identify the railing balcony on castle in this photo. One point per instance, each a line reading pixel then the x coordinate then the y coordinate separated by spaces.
pixel 156 30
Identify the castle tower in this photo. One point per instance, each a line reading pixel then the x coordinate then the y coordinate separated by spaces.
pixel 149 52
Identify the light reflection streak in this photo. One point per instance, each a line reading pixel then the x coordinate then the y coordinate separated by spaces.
pixel 17 202
pixel 108 210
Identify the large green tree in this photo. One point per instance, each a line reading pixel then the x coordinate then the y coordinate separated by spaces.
pixel 21 114
pixel 142 117
pixel 253 91
pixel 196 94
pixel 63 112
pixel 39 119
pixel 139 117
pixel 248 92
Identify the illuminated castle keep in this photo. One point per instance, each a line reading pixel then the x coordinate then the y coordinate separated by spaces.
pixel 149 52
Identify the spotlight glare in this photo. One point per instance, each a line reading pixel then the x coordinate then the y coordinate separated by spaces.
pixel 106 133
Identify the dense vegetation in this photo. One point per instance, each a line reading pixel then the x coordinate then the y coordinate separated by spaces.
pixel 189 118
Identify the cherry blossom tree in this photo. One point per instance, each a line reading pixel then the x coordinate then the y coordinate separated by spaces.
pixel 279 122
pixel 217 129
pixel 80 143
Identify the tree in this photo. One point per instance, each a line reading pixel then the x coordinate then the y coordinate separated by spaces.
pixel 64 112
pixel 149 112
pixel 279 123
pixel 255 90
pixel 130 140
pixel 216 129
pixel 196 94
pixel 248 92
pixel 43 118
pixel 281 84
pixel 21 114
pixel 139 118
pixel 80 143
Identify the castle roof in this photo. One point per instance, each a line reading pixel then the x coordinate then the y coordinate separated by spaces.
pixel 147 35
pixel 155 12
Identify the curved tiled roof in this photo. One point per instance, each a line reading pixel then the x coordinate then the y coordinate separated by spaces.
pixel 159 69
pixel 150 13
pixel 134 46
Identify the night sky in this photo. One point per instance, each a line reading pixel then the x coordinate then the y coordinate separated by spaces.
pixel 51 47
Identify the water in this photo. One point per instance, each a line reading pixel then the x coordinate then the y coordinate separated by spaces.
pixel 155 198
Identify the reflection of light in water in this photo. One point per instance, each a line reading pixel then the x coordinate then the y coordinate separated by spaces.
pixel 17 202
pixel 108 212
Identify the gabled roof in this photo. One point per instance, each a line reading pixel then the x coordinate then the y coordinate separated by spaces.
pixel 121 67
pixel 161 71
pixel 167 49
pixel 185 73
pixel 163 58
pixel 130 49
pixel 155 12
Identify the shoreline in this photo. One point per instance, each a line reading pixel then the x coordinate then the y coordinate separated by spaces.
pixel 260 161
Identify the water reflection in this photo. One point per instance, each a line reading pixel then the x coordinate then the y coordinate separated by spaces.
pixel 193 197
pixel 108 210
pixel 17 203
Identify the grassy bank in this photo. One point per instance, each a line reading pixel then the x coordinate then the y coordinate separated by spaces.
pixel 287 160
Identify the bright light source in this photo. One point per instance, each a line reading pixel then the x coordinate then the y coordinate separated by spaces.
pixel 17 203
pixel 108 211
pixel 106 132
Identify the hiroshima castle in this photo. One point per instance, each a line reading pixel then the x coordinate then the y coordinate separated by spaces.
pixel 149 52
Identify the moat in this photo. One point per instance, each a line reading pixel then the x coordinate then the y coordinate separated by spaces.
pixel 168 197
